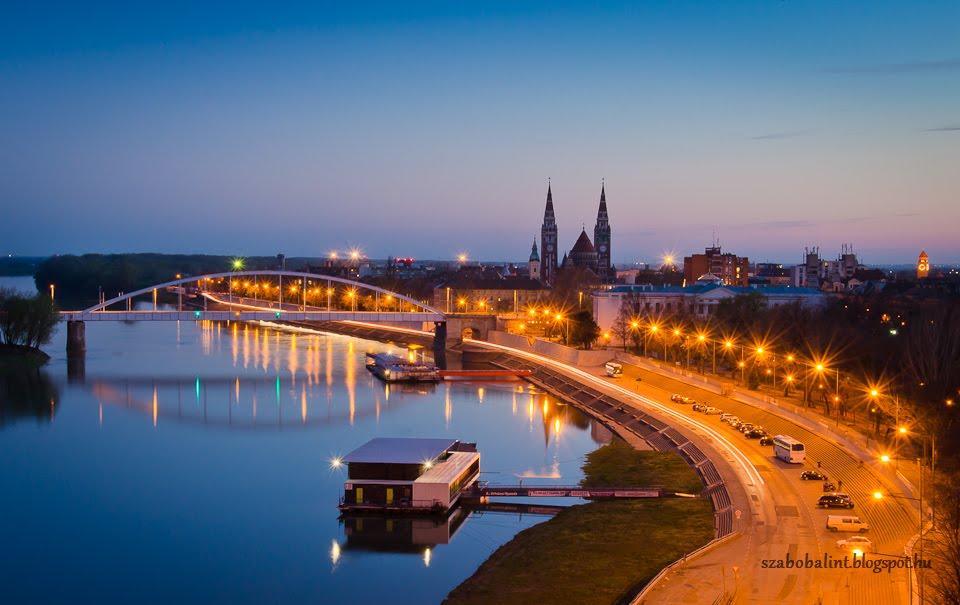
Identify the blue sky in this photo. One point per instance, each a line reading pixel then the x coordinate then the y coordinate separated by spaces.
pixel 423 130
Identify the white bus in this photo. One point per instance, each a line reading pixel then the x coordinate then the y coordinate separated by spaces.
pixel 788 449
pixel 614 369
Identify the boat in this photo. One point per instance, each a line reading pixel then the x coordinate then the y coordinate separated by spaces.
pixel 408 475
pixel 393 368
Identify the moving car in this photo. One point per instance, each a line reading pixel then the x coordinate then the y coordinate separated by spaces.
pixel 812 476
pixel 846 523
pixel 856 544
pixel 835 500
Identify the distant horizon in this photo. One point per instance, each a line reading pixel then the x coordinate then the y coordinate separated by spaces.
pixel 491 261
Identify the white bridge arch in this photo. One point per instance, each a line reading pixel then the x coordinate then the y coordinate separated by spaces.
pixel 246 309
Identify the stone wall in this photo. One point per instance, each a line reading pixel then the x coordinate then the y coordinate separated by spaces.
pixel 552 350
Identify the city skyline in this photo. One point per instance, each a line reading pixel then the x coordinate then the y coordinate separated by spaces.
pixel 773 125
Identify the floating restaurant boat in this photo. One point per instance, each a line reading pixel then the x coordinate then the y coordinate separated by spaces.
pixel 409 475
pixel 393 368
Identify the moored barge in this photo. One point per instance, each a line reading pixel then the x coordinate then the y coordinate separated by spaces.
pixel 409 475
pixel 393 368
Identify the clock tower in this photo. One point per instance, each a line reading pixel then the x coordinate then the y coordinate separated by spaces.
pixel 601 237
pixel 923 265
pixel 548 241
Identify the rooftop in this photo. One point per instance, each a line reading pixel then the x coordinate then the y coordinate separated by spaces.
pixel 399 450
pixel 448 470
pixel 701 289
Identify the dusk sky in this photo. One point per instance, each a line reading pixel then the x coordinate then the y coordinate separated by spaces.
pixel 424 130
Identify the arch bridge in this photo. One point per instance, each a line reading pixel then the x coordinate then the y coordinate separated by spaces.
pixel 266 295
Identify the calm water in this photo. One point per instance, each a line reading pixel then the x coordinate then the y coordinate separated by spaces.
pixel 192 464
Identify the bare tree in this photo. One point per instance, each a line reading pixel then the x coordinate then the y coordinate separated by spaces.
pixel 943 578
pixel 622 324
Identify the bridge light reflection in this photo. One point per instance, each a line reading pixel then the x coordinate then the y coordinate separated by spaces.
pixel 426 557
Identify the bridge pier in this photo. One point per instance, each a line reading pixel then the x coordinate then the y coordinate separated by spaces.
pixel 440 344
pixel 76 338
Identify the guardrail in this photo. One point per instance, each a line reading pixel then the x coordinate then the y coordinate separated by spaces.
pixel 638 600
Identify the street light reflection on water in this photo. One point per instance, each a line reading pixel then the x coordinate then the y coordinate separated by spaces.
pixel 209 387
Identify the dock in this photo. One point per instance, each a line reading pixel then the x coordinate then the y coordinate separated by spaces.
pixel 481 490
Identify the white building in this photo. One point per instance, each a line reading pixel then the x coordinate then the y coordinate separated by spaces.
pixel 699 301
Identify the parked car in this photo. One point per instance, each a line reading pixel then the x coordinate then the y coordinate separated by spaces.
pixel 755 433
pixel 829 486
pixel 675 397
pixel 766 440
pixel 835 500
pixel 699 407
pixel 727 417
pixel 712 411
pixel 687 400
pixel 737 424
pixel 856 544
pixel 846 523
pixel 812 476
pixel 745 426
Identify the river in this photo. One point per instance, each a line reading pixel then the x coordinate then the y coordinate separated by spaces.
pixel 192 464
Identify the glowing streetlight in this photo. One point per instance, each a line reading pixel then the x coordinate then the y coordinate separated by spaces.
pixel 877 495
pixel 885 458
pixel 237 264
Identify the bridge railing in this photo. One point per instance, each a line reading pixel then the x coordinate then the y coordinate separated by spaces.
pixel 304 288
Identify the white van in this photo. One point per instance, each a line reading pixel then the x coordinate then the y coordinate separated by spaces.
pixel 846 523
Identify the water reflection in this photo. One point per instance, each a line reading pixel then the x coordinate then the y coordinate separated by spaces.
pixel 27 395
pixel 405 534
pixel 236 401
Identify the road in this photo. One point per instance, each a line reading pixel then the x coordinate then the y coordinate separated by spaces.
pixel 779 516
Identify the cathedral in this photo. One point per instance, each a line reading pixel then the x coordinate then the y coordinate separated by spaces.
pixel 585 254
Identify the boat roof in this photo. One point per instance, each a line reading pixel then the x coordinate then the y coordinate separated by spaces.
pixel 399 450
pixel 448 470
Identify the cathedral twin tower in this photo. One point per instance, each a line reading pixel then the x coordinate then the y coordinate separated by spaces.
pixel 594 256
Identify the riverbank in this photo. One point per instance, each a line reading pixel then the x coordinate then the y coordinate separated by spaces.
pixel 17 357
pixel 598 553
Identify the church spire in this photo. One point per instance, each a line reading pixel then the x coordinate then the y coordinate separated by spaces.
pixel 548 239
pixel 601 235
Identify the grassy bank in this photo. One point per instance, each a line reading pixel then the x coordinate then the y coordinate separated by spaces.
pixel 594 554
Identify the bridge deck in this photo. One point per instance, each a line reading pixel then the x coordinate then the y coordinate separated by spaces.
pixel 247 315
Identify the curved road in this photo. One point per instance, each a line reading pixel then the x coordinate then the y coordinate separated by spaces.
pixel 780 518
